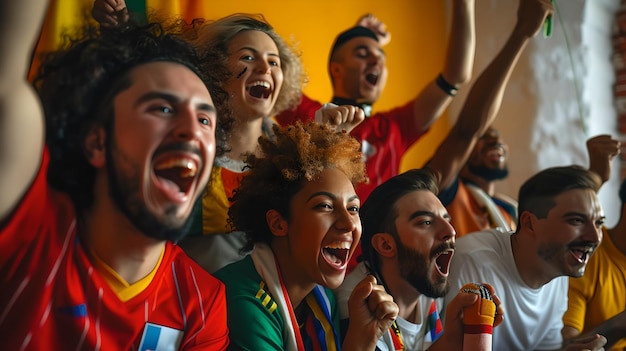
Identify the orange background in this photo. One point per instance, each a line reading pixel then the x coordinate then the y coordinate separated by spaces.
pixel 415 54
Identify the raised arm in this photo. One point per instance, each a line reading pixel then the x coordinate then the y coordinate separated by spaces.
pixel 485 97
pixel 602 149
pixel 110 13
pixel 21 116
pixel 457 70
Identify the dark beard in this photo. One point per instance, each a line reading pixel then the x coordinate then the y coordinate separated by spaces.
pixel 415 268
pixel 124 190
pixel 489 174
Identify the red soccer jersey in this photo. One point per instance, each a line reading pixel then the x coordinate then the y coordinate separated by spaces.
pixel 52 297
pixel 385 137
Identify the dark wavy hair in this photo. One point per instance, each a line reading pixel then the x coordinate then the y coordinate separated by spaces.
pixel 379 212
pixel 537 194
pixel 78 83
pixel 297 154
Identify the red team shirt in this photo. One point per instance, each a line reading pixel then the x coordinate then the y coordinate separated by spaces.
pixel 52 297
pixel 384 137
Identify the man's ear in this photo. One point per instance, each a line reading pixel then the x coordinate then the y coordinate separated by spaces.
pixel 527 221
pixel 95 147
pixel 335 70
pixel 277 224
pixel 384 244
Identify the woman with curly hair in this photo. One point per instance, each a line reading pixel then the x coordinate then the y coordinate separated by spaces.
pixel 300 212
pixel 266 78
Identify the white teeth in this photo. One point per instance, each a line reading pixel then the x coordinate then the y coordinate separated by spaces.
pixel 189 167
pixel 260 83
pixel 338 245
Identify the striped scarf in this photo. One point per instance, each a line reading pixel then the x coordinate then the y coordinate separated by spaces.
pixel 318 325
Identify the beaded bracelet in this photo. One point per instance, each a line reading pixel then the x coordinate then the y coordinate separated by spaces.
pixel 446 86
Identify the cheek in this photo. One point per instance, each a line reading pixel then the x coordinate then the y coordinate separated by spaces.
pixel 358 232
pixel 279 78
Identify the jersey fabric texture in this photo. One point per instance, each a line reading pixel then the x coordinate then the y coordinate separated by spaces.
pixel 54 298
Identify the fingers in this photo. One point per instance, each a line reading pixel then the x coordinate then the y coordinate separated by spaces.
pixel 377 26
pixel 603 145
pixel 532 14
pixel 110 13
pixel 602 149
pixel 592 343
pixel 344 117
pixel 381 304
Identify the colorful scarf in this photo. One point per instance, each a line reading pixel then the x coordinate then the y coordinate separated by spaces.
pixel 433 329
pixel 318 326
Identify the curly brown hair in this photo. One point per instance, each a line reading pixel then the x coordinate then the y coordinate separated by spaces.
pixel 216 35
pixel 298 154
pixel 77 85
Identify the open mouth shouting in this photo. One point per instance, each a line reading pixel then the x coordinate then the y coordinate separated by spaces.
pixel 259 89
pixel 581 254
pixel 175 176
pixel 336 254
pixel 442 262
pixel 372 77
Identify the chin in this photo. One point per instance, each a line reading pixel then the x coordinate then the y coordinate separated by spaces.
pixel 333 282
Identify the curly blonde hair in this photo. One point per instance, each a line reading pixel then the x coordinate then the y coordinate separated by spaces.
pixel 216 35
pixel 298 154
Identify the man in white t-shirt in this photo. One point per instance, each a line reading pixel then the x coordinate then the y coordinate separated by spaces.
pixel 559 228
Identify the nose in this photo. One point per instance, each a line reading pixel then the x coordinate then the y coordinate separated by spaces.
pixel 187 126
pixel 447 231
pixel 374 59
pixel 346 221
pixel 593 234
pixel 263 67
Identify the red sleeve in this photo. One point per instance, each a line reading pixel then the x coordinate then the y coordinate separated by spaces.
pixel 304 112
pixel 24 223
pixel 209 328
pixel 216 321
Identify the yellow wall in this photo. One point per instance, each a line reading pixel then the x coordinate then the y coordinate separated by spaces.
pixel 415 54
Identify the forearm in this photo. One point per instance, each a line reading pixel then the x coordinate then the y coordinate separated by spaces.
pixel 21 124
pixel 613 329
pixel 20 23
pixel 485 97
pixel 459 59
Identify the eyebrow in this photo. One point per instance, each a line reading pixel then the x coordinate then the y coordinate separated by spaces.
pixel 579 214
pixel 331 195
pixel 173 99
pixel 273 54
pixel 427 213
pixel 368 48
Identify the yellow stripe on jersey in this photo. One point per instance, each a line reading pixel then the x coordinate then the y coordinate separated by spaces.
pixel 266 298
pixel 119 285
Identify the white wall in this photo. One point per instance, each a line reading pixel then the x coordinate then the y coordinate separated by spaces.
pixel 540 118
